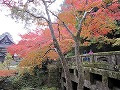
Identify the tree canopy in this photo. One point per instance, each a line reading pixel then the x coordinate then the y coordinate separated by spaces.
pixel 77 23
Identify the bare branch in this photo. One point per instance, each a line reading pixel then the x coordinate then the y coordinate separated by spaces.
pixel 33 15
pixel 38 17
pixel 63 24
pixel 59 32
pixel 10 3
pixel 69 30
pixel 30 0
pixel 81 21
pixel 51 2
pixel 47 52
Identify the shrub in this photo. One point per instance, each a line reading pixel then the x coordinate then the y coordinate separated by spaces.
pixel 51 88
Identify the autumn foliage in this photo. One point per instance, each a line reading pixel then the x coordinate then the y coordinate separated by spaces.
pixel 5 73
pixel 99 21
pixel 38 45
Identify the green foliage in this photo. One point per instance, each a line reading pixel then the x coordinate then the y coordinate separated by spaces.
pixel 8 59
pixel 5 84
pixel 37 81
pixel 43 88
pixel 46 88
pixel 1 66
pixel 69 54
pixel 117 31
pixel 53 75
pixel 28 80
pixel 117 42
pixel 27 88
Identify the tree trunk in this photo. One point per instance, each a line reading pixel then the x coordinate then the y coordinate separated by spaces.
pixel 79 65
pixel 66 73
pixel 56 45
pixel 64 65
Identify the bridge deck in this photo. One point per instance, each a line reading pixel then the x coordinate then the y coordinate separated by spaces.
pixel 101 71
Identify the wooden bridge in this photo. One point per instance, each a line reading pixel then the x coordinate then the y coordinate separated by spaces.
pixel 101 71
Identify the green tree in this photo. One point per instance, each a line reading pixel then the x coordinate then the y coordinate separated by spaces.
pixel 7 62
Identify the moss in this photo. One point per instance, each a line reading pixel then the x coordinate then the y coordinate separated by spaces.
pixel 106 53
pixel 100 65
pixel 72 65
pixel 103 72
pixel 87 75
pixel 52 67
pixel 53 75
pixel 114 74
pixel 105 77
pixel 118 76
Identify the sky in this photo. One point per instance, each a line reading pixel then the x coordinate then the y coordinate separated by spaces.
pixel 7 24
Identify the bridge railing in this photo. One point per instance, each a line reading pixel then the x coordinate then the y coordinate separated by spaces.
pixel 106 60
pixel 108 57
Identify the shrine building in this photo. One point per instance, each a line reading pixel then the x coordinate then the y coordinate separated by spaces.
pixel 5 41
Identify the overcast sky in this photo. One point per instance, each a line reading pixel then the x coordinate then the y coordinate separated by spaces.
pixel 9 25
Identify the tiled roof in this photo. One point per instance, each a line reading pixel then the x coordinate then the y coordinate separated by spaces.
pixel 6 34
pixel 3 41
pixel 2 54
pixel 3 46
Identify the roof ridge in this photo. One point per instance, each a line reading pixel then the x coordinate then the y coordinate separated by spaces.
pixel 6 34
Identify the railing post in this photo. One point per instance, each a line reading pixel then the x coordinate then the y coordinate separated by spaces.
pixel 92 59
pixel 113 59
pixel 105 81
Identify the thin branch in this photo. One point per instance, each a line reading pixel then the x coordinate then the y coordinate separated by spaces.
pixel 8 3
pixel 58 31
pixel 47 52
pixel 69 30
pixel 38 17
pixel 56 23
pixel 25 10
pixel 51 2
pixel 81 21
pixel 60 35
pixel 63 24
